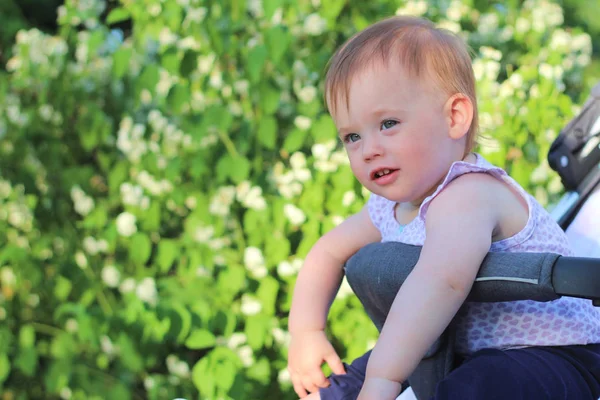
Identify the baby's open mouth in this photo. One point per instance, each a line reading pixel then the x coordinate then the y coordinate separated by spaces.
pixel 382 172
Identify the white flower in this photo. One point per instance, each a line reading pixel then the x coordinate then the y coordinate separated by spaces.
pixel 241 87
pixel 253 258
pixel 307 94
pixel 166 37
pixel 303 123
pixel 127 286
pixel 222 200
pixel 284 377
pixel 71 325
pixel 345 290
pixel 89 245
pixel 107 345
pixel 250 197
pixel 149 383
pixel 83 203
pixel 546 71
pixel 314 24
pixel 522 25
pixel 33 300
pixel 325 166
pixel 451 26
pixel 321 151
pixel 281 337
pixel 202 272
pixel 302 175
pixel 491 53
pixel 246 355
pixel 146 291
pixel 191 202
pixel 203 234
pixel 413 7
pixel 348 198
pixel 205 63
pixel 7 276
pixel 81 260
pixel 111 276
pixel 65 393
pixel 337 219
pixel 298 160
pixel 286 268
pixel 255 7
pixel 126 224
pixel 177 367
pixel 294 214
pixel 250 305
pixel 236 340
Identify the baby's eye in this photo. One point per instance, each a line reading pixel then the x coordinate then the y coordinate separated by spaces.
pixel 351 138
pixel 388 123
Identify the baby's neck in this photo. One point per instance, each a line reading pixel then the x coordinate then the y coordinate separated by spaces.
pixel 406 212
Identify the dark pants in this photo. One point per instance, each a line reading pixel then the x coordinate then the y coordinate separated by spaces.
pixel 552 373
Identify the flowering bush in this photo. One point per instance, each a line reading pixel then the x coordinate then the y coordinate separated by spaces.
pixel 161 183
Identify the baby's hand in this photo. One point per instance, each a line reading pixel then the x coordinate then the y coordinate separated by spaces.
pixel 308 350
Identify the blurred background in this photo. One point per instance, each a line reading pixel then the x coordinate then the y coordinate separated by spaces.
pixel 165 165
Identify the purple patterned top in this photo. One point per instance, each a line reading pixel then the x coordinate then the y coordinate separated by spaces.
pixel 513 324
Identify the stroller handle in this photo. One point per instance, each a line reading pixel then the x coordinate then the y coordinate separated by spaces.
pixel 577 277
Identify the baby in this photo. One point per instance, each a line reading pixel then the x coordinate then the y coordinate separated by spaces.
pixel 402 95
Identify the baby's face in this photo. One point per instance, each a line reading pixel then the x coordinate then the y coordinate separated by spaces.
pixel 395 131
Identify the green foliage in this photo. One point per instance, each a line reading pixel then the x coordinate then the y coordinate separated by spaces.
pixel 159 188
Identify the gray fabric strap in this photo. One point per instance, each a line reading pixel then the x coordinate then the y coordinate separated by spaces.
pixel 377 271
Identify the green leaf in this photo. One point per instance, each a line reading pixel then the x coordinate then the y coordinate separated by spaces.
pixel 294 140
pixel 267 132
pixel 269 99
pixel 256 60
pixel 130 357
pixel 200 339
pixel 277 40
pixel 121 59
pixel 27 361
pixel 167 251
pixel 333 9
pixel 117 176
pixel 62 288
pixel 4 367
pixel 202 376
pixel 151 221
pixel 261 371
pixel 267 294
pixel 26 336
pixel 256 330
pixel 189 63
pixel 236 168
pixel 232 280
pixel 323 129
pixel 169 60
pixel 140 248
pixel 179 96
pixel 117 15
pixel 270 6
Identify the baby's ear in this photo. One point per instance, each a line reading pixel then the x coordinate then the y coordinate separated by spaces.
pixel 459 110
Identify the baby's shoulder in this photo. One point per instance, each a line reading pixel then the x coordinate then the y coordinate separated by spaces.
pixel 498 194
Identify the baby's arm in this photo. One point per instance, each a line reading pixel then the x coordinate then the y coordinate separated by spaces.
pixel 316 286
pixel 459 225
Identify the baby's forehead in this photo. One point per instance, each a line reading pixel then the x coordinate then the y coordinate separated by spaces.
pixel 389 75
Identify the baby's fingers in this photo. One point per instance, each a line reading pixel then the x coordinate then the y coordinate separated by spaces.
pixel 308 384
pixel 298 388
pixel 318 378
pixel 334 362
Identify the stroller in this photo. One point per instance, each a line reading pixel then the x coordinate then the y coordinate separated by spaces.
pixel 575 155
